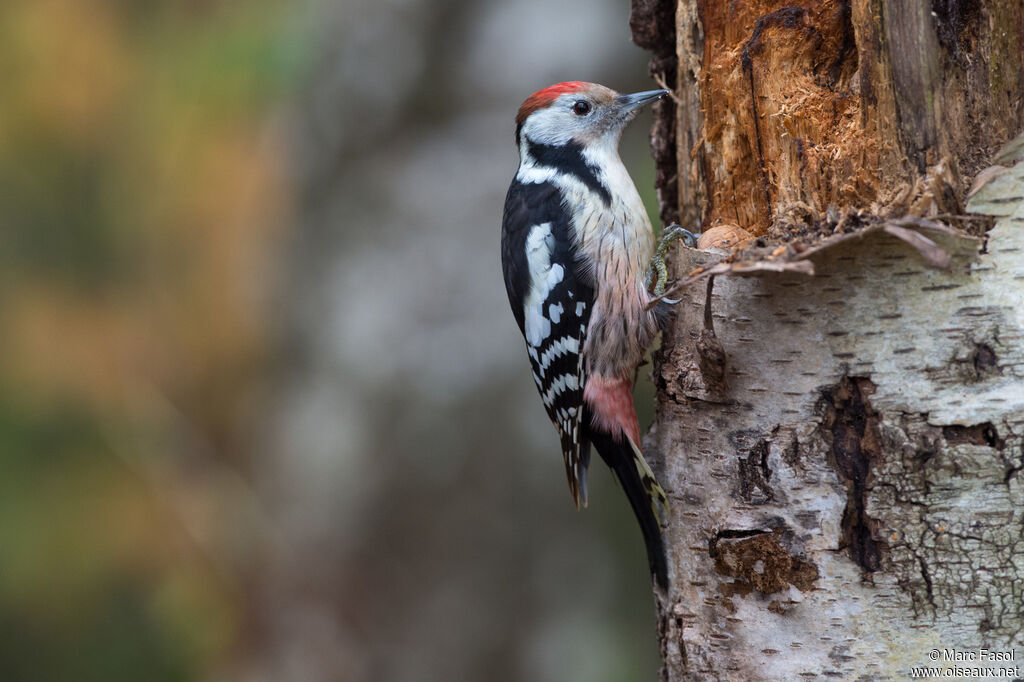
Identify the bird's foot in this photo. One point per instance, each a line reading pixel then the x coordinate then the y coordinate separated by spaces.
pixel 657 273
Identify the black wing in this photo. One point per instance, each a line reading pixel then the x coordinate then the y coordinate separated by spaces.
pixel 552 302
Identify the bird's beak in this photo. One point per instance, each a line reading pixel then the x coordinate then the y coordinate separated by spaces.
pixel 632 102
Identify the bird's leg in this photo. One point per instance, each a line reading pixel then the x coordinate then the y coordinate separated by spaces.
pixel 657 273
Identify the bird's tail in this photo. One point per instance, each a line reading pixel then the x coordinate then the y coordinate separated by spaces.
pixel 645 495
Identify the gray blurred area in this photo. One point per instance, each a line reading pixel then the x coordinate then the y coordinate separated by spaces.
pixel 424 530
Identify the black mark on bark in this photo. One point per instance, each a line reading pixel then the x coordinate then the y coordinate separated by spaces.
pixel 791 453
pixel 754 473
pixel 851 425
pixel 985 360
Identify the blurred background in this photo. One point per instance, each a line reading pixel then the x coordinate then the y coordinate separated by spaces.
pixel 264 412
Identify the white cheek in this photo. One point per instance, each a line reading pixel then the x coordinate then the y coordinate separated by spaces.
pixel 551 126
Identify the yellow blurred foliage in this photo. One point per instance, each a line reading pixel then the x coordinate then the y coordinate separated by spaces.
pixel 194 194
pixel 70 63
pixel 142 191
pixel 67 349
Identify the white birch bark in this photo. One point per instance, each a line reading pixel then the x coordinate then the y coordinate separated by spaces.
pixel 850 497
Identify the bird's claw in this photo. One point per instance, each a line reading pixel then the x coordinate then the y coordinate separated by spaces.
pixel 657 273
pixel 674 232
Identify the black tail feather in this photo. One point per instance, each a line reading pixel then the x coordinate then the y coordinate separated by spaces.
pixel 619 457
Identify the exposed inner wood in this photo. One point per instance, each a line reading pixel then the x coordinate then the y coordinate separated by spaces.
pixel 811 112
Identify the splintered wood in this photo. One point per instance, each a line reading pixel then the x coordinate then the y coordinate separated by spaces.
pixel 810 114
pixel 784 127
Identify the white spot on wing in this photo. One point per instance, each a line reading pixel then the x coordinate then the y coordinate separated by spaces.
pixel 555 312
pixel 543 278
pixel 580 307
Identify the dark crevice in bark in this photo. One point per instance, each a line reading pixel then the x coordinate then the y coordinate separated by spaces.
pixel 754 474
pixel 977 434
pixel 956 25
pixel 927 577
pixel 851 427
pixel 1012 469
pixel 732 534
pixel 847 47
pixel 985 360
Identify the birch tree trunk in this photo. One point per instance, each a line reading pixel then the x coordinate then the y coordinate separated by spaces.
pixel 846 486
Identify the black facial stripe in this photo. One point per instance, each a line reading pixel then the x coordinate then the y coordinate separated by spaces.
pixel 569 159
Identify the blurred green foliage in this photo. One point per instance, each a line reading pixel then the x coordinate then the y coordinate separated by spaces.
pixel 141 190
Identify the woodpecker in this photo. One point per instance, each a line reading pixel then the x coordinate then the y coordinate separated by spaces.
pixel 576 246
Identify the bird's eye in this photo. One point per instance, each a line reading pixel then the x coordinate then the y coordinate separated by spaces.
pixel 581 107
